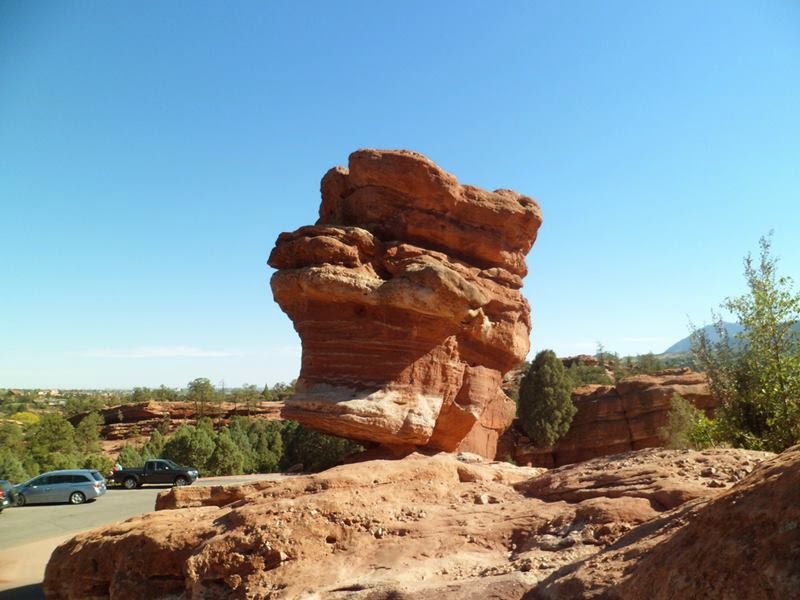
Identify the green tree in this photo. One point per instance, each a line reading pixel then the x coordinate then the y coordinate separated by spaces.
pixel 87 433
pixel 248 396
pixel 129 457
pixel 227 458
pixel 688 427
pixel 201 392
pixel 756 376
pixel 141 394
pixel 648 363
pixel 154 446
pixel 76 405
pixel 11 467
pixel 545 407
pixel 586 374
pixel 99 462
pixel 53 435
pixel 164 424
pixel 190 446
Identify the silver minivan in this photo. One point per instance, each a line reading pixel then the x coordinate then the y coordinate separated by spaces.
pixel 75 486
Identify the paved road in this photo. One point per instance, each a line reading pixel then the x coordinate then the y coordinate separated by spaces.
pixel 28 534
pixel 21 525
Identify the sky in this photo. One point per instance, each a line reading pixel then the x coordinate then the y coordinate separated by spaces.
pixel 150 154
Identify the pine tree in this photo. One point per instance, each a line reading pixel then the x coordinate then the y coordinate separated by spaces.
pixel 545 407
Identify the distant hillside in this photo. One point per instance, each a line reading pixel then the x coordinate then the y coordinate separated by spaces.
pixel 732 328
pixel 685 344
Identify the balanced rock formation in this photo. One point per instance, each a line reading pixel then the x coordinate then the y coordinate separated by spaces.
pixel 446 526
pixel 406 296
pixel 612 419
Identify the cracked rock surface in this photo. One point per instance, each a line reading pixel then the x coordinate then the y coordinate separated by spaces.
pixel 450 526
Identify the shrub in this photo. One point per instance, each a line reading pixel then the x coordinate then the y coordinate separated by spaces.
pixel 755 377
pixel 100 462
pixel 25 417
pixel 688 427
pixel 585 374
pixel 545 408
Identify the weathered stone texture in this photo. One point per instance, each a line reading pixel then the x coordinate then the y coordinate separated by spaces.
pixel 406 297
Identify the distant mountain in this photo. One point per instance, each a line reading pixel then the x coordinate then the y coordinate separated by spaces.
pixel 685 345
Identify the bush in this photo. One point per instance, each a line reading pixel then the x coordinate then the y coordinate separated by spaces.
pixel 25 417
pixel 100 462
pixel 688 427
pixel 755 377
pixel 585 374
pixel 545 408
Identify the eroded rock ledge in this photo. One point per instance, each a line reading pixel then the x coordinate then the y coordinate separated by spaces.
pixel 613 419
pixel 652 523
pixel 406 297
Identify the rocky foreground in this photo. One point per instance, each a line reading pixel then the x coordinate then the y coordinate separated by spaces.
pixel 647 524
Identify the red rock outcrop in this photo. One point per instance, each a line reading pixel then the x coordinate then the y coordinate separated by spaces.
pixel 612 419
pixel 406 296
pixel 436 527
pixel 745 543
pixel 133 422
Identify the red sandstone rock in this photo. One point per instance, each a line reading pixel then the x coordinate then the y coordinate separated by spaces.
pixel 120 420
pixel 435 527
pixel 613 419
pixel 406 297
pixel 744 543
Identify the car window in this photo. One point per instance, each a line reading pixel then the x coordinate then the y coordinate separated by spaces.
pixel 79 478
pixel 56 479
pixel 43 480
pixel 96 476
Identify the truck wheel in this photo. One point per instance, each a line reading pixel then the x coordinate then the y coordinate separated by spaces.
pixel 129 483
pixel 181 481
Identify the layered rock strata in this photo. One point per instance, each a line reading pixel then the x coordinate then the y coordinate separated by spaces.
pixel 406 297
pixel 612 419
pixel 447 526
pixel 135 422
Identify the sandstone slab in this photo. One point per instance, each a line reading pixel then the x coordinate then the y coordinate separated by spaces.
pixel 446 526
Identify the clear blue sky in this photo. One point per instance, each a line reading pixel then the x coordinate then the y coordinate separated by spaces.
pixel 151 153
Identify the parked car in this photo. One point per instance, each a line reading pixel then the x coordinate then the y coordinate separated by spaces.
pixel 7 496
pixel 75 486
pixel 158 470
